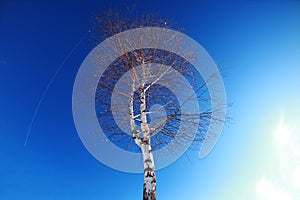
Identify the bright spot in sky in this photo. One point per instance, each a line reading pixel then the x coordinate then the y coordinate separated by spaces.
pixel 282 180
pixel 282 134
pixel 296 177
pixel 266 190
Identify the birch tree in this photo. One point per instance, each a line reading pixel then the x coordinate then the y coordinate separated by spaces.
pixel 152 113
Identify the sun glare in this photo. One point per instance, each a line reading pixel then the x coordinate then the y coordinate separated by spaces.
pixel 282 181
pixel 296 177
pixel 282 134
pixel 266 190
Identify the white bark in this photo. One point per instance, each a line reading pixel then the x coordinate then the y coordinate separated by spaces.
pixel 149 173
pixel 142 138
pixel 149 169
pixel 135 132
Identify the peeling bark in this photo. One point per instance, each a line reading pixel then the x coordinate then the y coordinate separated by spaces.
pixel 149 192
pixel 143 141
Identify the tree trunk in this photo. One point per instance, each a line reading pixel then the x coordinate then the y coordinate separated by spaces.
pixel 143 141
pixel 149 192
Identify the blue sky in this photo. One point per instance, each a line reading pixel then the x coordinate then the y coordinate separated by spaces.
pixel 256 42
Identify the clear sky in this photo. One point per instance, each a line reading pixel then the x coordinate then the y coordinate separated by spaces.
pixel 257 157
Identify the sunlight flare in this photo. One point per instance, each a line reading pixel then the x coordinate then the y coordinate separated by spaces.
pixel 282 182
pixel 282 134
pixel 267 190
pixel 296 177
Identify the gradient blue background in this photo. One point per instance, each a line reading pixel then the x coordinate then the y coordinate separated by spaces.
pixel 256 42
